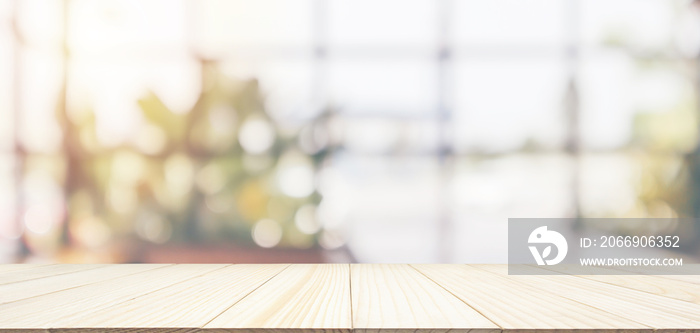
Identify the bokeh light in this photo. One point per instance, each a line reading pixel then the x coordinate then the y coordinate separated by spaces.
pixel 265 129
pixel 267 233
pixel 305 219
pixel 256 135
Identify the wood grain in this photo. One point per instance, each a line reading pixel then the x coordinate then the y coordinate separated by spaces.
pixel 693 269
pixel 191 303
pixel 399 297
pixel 14 267
pixel 487 293
pixel 48 284
pixel 656 311
pixel 40 271
pixel 300 297
pixel 58 309
pixel 340 298
pixel 659 285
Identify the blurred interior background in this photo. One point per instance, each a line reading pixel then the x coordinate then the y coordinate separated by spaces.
pixel 337 130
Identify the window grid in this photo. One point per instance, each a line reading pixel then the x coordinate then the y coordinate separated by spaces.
pixel 444 58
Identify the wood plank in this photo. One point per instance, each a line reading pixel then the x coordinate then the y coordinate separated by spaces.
pixel 4 268
pixel 57 310
pixel 658 285
pixel 192 303
pixel 695 279
pixel 308 297
pixel 40 286
pixel 652 310
pixel 42 271
pixel 486 293
pixel 390 297
pixel 659 272
pixel 335 298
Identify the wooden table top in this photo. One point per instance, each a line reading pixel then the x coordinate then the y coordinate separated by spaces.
pixel 335 297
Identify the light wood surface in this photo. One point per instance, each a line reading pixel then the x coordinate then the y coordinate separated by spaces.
pixel 35 287
pixel 343 298
pixel 300 297
pixel 192 302
pixel 399 297
pixel 652 310
pixel 37 272
pixel 669 286
pixel 513 304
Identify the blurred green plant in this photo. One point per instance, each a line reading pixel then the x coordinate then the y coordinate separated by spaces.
pixel 225 171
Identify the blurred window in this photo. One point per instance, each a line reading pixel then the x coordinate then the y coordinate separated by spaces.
pixel 453 114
